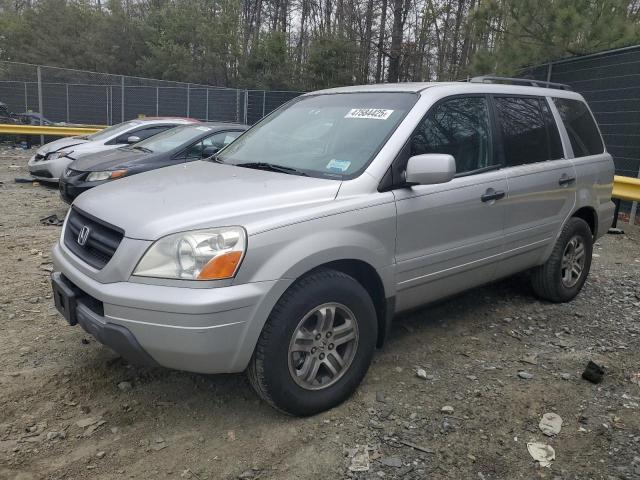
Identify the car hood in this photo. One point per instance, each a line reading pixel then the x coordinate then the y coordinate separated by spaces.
pixel 59 144
pixel 202 194
pixel 108 160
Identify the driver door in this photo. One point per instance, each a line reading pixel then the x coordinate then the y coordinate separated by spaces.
pixel 449 236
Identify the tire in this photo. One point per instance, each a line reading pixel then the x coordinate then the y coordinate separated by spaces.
pixel 550 281
pixel 273 366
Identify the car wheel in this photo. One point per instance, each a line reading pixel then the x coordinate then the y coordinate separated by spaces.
pixel 316 345
pixel 564 273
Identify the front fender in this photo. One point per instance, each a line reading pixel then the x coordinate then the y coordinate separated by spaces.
pixel 289 252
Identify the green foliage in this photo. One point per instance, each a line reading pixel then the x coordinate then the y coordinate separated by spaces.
pixel 331 63
pixel 526 32
pixel 252 44
pixel 267 65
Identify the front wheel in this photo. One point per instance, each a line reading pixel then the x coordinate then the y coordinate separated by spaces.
pixel 564 273
pixel 317 344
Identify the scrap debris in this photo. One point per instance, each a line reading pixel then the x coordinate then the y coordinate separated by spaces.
pixel 593 372
pixel 541 453
pixel 550 424
pixel 52 220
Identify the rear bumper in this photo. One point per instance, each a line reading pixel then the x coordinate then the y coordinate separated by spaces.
pixel 605 218
pixel 205 330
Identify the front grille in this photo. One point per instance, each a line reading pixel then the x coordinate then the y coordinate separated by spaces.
pixel 101 242
pixel 70 173
pixel 39 157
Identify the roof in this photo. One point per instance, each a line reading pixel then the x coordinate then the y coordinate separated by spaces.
pixel 220 125
pixel 460 87
pixel 412 87
pixel 172 119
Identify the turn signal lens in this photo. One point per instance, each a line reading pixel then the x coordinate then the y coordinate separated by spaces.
pixel 222 266
pixel 118 173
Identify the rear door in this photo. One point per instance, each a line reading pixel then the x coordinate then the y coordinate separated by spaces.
pixel 449 236
pixel 594 167
pixel 541 181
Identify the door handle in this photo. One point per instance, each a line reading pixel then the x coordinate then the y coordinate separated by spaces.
pixel 566 180
pixel 492 194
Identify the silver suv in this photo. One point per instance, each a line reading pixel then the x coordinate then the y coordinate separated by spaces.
pixel 288 253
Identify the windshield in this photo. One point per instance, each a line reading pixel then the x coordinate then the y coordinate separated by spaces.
pixel 334 135
pixel 112 130
pixel 172 138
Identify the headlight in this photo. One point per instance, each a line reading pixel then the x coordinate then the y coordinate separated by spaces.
pixel 212 254
pixel 106 175
pixel 59 154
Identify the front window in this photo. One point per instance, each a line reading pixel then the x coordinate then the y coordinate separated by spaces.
pixel 333 136
pixel 459 127
pixel 112 130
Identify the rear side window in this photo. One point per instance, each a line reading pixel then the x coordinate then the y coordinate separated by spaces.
pixel 581 128
pixel 529 134
pixel 143 133
pixel 460 127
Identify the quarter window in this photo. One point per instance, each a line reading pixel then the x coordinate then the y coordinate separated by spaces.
pixel 143 133
pixel 459 127
pixel 583 133
pixel 528 136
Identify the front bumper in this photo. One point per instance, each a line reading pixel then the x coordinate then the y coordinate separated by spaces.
pixel 79 308
pixel 69 190
pixel 48 170
pixel 205 330
pixel 72 186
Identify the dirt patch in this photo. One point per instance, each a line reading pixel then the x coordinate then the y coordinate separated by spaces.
pixel 496 357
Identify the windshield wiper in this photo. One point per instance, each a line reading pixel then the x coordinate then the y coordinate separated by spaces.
pixel 272 167
pixel 143 149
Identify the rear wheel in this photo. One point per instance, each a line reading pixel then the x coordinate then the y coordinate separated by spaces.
pixel 564 273
pixel 316 345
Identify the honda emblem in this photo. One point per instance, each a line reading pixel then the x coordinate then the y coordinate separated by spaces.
pixel 83 235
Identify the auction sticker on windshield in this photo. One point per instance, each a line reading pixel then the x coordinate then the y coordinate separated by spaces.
pixel 372 113
pixel 339 165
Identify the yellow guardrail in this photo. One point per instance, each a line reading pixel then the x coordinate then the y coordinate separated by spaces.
pixel 626 188
pixel 11 129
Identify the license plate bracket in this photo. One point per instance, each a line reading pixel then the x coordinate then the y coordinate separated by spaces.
pixel 65 298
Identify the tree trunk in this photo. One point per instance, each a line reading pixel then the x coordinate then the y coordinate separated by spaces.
pixel 396 42
pixel 327 17
pixel 383 22
pixel 366 43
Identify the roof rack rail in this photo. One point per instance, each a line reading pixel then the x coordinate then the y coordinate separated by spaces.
pixel 519 81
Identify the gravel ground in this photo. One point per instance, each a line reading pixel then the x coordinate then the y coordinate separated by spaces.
pixel 493 362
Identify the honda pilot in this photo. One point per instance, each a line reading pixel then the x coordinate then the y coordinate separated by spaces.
pixel 287 254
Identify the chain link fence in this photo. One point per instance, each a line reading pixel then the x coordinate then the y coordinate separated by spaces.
pixel 82 97
pixel 610 82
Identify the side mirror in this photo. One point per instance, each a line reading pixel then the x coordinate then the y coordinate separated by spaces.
pixel 210 151
pixel 430 168
pixel 133 139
